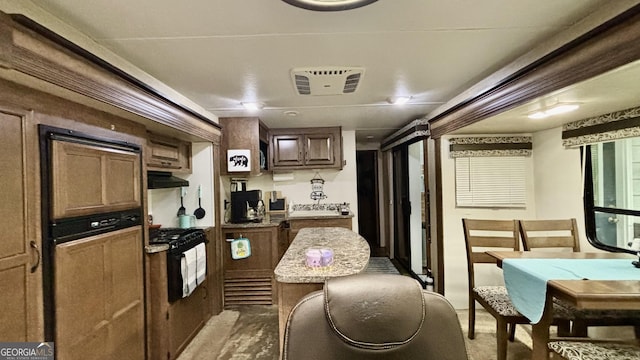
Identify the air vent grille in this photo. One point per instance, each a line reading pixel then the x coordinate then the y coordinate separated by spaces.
pixel 352 83
pixel 302 84
pixel 326 81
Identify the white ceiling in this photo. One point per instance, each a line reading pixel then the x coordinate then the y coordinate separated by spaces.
pixel 220 53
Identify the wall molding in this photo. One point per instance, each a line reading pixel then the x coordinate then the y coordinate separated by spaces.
pixel 33 50
pixel 606 47
pixel 413 131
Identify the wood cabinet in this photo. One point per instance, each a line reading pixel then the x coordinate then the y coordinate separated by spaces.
pixel 89 179
pixel 20 288
pixel 99 296
pixel 301 148
pixel 173 325
pixel 168 154
pixel 297 224
pixel 250 281
pixel 245 133
pixel 186 317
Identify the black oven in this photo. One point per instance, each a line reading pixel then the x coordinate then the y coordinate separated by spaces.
pixel 179 241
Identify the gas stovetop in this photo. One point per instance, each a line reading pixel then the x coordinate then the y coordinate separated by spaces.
pixel 177 238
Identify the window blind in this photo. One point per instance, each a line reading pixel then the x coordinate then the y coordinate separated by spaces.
pixel 490 182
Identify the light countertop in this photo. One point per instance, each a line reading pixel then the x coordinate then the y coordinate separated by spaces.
pixel 351 255
pixel 270 220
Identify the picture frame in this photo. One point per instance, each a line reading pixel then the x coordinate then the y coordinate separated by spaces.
pixel 239 160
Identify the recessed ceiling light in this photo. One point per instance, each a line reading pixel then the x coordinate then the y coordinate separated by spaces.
pixel 253 106
pixel 538 115
pixel 291 113
pixel 369 137
pixel 398 100
pixel 560 108
pixel 329 5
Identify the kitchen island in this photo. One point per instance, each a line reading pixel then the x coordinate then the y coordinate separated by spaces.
pixel 295 279
pixel 251 281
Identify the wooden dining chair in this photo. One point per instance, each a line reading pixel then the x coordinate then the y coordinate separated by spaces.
pixel 563 234
pixel 557 234
pixel 480 236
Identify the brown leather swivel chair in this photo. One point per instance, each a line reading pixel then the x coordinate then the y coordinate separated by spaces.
pixel 373 316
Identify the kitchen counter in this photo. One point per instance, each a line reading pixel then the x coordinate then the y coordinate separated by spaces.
pixel 276 219
pixel 295 279
pixel 351 255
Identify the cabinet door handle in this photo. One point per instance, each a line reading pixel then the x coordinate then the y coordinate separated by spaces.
pixel 34 246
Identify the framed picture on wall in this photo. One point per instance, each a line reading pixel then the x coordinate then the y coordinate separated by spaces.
pixel 238 160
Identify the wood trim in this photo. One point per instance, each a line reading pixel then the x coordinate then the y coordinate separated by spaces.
pixel 216 274
pixel 439 281
pixel 52 59
pixel 604 48
pixel 413 131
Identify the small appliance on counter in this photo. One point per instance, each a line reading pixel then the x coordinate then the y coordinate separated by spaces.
pixel 344 209
pixel 246 206
pixel 276 203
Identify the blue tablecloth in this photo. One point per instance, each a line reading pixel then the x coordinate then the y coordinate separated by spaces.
pixel 526 279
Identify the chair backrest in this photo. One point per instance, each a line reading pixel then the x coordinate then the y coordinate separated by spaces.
pixel 373 316
pixel 481 235
pixel 562 233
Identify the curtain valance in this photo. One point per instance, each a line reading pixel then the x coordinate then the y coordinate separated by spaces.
pixel 607 127
pixel 490 146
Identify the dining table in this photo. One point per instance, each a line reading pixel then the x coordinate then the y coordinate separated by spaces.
pixel 587 280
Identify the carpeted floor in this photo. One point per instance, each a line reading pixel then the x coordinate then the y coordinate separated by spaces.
pixel 251 332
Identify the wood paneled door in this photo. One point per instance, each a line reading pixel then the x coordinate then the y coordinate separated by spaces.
pixel 99 305
pixel 19 249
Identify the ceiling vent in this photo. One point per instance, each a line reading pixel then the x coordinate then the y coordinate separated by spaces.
pixel 326 80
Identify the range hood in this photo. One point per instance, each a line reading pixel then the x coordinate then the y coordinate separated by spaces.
pixel 162 180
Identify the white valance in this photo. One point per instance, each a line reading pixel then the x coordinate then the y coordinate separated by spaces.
pixel 490 146
pixel 608 127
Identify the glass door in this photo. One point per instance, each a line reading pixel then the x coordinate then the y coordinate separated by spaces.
pixel 411 211
pixel 402 207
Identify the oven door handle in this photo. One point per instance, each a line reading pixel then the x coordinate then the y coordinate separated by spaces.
pixel 34 246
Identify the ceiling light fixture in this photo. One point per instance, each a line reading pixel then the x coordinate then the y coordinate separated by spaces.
pixel 398 100
pixel 253 106
pixel 329 5
pixel 560 108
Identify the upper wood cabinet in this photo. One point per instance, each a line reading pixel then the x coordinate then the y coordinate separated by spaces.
pixel 288 150
pixel 89 179
pixel 245 133
pixel 168 154
pixel 306 148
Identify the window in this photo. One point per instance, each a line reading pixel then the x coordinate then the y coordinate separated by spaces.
pixel 612 194
pixel 491 182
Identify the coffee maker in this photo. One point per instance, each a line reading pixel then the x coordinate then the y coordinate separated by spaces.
pixel 245 206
